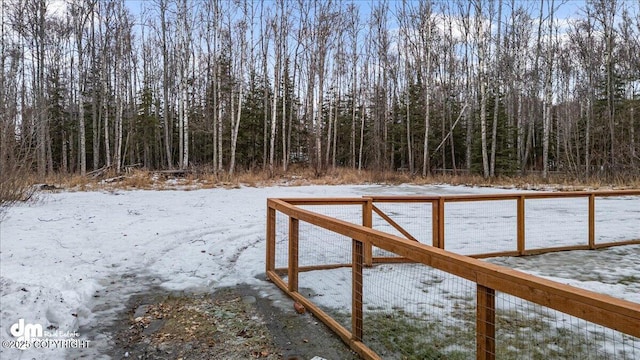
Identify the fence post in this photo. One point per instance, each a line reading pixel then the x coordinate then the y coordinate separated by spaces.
pixel 485 324
pixel 271 239
pixel 521 225
pixel 293 255
pixel 434 223
pixel 592 221
pixel 441 222
pixel 367 221
pixel 356 295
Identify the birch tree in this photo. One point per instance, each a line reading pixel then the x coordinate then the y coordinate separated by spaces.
pixel 240 60
pixel 425 74
pixel 481 43
pixel 353 31
pixel 184 55
pixel 81 12
pixel 163 7
pixel 277 32
pixel 497 89
pixel 548 78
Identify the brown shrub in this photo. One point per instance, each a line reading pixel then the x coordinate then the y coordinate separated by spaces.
pixel 16 185
pixel 298 175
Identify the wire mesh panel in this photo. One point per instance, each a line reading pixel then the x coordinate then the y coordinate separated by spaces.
pixel 480 227
pixel 318 246
pixel 617 218
pixel 556 222
pixel 412 311
pixel 318 251
pixel 413 218
pixel 350 213
pixel 424 313
pixel 330 290
pixel 525 330
pixel 282 240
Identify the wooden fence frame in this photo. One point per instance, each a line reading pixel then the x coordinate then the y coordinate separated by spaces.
pixel 610 312
pixel 438 217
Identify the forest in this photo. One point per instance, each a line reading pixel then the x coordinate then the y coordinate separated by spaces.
pixel 491 87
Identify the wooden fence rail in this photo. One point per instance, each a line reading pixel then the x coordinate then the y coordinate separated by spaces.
pixel 438 217
pixel 607 311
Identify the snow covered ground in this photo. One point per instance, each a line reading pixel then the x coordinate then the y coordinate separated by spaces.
pixel 72 258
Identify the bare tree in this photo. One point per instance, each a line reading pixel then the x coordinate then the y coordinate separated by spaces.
pixel 6 122
pixel 353 30
pixel 496 89
pixel 425 71
pixel 548 78
pixel 464 23
pixel 630 39
pixel 279 40
pixel 34 28
pixel 373 100
pixel 81 12
pixel 93 40
pixel 241 58
pixel 163 6
pixel 481 36
pixel 604 13
pixel 265 74
pixel 184 55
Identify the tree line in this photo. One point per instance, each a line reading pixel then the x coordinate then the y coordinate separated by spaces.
pixel 484 86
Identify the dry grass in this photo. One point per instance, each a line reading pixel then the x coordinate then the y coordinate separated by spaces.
pixel 299 176
pixel 16 185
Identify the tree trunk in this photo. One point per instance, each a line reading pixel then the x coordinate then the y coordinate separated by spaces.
pixel 548 97
pixel 82 150
pixel 276 91
pixel 335 132
pixel 96 94
pixel 496 89
pixel 480 32
pixel 165 84
pixel 362 120
pixel 41 108
pixel 426 46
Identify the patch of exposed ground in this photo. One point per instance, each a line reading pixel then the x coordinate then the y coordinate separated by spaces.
pixel 199 326
pixel 231 323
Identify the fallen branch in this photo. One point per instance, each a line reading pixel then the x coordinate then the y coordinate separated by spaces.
pixel 114 179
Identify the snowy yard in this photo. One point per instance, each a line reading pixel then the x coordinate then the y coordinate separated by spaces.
pixel 60 254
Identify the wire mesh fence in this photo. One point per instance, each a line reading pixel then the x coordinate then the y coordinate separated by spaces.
pixel 337 252
pixel 425 313
pixel 517 223
pixel 442 305
pixel 414 219
pixel 281 240
pixel 419 313
pixel 330 290
pixel 481 226
pixel 612 223
pixel 351 213
pixel 525 330
pixel 556 222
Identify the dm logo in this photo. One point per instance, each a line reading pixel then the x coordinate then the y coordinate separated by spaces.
pixel 25 332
